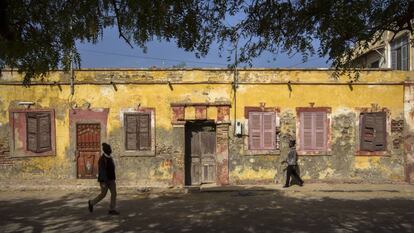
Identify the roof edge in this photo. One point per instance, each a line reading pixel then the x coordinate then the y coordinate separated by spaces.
pixel 207 69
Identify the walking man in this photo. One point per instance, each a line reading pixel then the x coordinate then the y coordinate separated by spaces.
pixel 291 160
pixel 106 179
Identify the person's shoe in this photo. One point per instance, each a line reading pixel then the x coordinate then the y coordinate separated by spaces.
pixel 113 212
pixel 90 206
pixel 285 186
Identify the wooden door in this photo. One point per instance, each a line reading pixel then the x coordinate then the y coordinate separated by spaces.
pixel 88 150
pixel 201 153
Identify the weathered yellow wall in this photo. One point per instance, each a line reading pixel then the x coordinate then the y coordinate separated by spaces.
pixel 307 86
pixel 313 87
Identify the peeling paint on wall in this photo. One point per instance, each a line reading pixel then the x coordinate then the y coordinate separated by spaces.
pixel 166 166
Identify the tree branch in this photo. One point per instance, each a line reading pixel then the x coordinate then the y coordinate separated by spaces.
pixel 118 20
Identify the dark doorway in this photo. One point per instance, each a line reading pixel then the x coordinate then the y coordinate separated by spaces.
pixel 200 152
pixel 88 150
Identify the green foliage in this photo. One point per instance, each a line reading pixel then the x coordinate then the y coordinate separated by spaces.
pixel 39 36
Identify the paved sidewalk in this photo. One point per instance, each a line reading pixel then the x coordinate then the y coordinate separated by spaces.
pixel 322 187
pixel 250 209
pixel 342 190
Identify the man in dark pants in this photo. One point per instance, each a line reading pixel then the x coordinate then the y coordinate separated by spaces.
pixel 106 178
pixel 291 160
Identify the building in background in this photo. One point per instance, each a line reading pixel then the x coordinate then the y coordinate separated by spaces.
pixel 396 54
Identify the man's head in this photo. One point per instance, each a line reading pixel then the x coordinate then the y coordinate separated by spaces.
pixel 292 143
pixel 106 148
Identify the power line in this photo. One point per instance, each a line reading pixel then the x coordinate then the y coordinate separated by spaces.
pixel 151 58
pixel 303 62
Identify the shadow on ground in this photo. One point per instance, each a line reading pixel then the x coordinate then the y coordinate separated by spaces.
pixel 242 211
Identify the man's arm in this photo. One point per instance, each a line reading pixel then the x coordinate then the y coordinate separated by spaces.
pixel 102 177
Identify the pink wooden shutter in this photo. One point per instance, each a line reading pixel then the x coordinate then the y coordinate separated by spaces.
pixel 255 130
pixel 269 130
pixel 320 129
pixel 144 132
pixel 306 130
pixel 131 132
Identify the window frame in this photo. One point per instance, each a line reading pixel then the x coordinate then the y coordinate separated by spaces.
pixel 137 132
pixel 328 137
pixel 358 151
pixel 36 115
pixel 246 132
pixel 397 46
pixel 18 123
pixel 138 152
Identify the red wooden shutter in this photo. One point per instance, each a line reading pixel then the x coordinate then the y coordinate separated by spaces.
pixel 131 126
pixel 306 130
pixel 144 132
pixel 269 132
pixel 367 132
pixel 32 131
pixel 380 132
pixel 44 132
pixel 255 130
pixel 320 129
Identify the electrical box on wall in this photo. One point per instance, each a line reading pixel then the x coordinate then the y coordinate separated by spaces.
pixel 238 129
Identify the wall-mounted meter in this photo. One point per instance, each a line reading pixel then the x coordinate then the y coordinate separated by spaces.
pixel 238 129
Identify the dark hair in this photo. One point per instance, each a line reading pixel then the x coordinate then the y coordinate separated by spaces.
pixel 292 143
pixel 106 148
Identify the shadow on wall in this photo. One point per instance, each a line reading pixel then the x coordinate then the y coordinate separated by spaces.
pixel 244 211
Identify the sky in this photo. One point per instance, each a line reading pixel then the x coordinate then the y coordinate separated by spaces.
pixel 114 52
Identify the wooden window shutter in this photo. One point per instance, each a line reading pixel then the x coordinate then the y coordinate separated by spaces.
pixel 399 61
pixel 306 130
pixel 394 59
pixel 380 132
pixel 320 129
pixel 131 125
pixel 255 130
pixel 367 132
pixel 269 132
pixel 144 132
pixel 32 131
pixel 404 58
pixel 39 133
pixel 44 132
pixel 313 130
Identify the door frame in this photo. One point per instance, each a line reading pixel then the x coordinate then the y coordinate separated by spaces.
pixel 187 151
pixel 87 116
pixel 77 151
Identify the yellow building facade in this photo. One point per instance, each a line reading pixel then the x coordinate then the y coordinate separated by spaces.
pixel 193 126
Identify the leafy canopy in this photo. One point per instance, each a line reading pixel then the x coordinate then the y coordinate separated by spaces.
pixel 37 36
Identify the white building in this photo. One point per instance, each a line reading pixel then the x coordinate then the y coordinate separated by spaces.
pixel 396 54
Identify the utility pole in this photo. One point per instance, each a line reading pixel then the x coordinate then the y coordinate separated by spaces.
pixel 235 81
pixel 72 73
